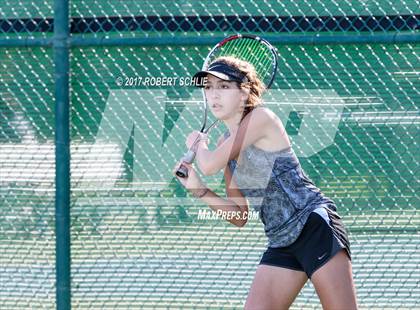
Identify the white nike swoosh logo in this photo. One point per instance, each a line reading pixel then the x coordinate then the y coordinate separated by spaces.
pixel 322 256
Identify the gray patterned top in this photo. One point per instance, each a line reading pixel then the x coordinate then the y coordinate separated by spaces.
pixel 277 187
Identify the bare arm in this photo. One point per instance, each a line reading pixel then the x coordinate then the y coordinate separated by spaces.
pixel 233 209
pixel 235 203
pixel 252 128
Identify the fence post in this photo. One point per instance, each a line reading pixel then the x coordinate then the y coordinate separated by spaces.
pixel 62 153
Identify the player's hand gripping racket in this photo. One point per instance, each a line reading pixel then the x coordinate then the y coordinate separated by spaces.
pixel 253 49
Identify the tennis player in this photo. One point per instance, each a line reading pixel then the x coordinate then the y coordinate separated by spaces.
pixel 306 237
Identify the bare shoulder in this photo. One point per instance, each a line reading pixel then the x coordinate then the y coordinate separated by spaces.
pixel 275 137
pixel 263 115
pixel 262 112
pixel 270 113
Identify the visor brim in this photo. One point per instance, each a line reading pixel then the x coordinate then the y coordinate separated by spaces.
pixel 199 77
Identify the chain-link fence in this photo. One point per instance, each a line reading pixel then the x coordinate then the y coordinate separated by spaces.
pixel 347 91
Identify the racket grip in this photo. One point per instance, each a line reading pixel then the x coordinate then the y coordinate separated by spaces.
pixel 182 171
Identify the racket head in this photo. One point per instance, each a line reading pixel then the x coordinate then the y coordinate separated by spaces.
pixel 250 48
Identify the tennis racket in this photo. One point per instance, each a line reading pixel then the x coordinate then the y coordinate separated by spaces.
pixel 253 49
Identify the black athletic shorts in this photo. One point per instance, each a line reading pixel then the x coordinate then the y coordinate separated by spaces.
pixel 321 238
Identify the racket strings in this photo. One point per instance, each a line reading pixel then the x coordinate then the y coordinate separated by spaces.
pixel 254 52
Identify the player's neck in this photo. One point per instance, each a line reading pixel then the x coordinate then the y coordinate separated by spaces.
pixel 233 123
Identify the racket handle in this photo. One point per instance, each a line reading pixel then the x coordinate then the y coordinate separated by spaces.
pixel 182 171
